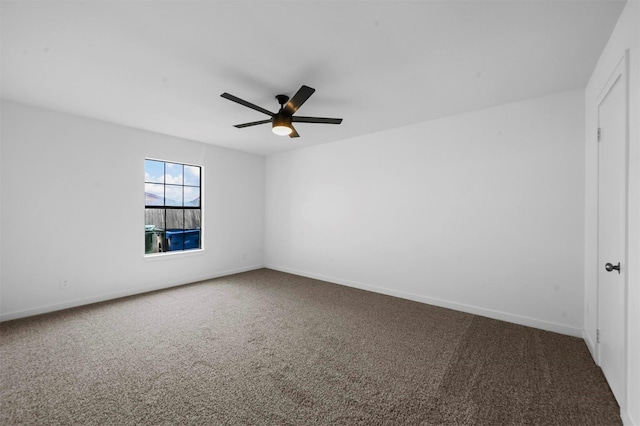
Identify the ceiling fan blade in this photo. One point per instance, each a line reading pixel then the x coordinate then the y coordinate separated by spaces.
pixel 323 120
pixel 253 123
pixel 298 99
pixel 294 133
pixel 247 104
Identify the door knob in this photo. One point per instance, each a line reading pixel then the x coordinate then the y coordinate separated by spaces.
pixel 609 267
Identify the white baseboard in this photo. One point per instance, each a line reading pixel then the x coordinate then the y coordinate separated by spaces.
pixel 516 319
pixel 118 294
pixel 626 419
pixel 502 316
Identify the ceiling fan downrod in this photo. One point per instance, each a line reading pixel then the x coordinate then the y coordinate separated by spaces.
pixel 282 100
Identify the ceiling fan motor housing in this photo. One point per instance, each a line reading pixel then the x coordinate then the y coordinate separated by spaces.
pixel 281 124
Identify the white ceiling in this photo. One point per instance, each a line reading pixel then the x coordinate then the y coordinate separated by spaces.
pixel 162 65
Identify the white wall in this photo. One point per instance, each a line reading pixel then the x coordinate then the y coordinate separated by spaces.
pixel 482 212
pixel 626 36
pixel 73 209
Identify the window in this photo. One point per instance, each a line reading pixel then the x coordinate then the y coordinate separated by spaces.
pixel 172 206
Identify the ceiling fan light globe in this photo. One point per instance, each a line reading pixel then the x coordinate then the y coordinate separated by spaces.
pixel 281 130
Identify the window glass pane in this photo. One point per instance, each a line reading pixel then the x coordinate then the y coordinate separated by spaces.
pixel 192 175
pixel 154 230
pixel 191 239
pixel 154 218
pixel 175 219
pixel 173 173
pixel 173 194
pixel 153 171
pixel 191 196
pixel 191 219
pixel 154 194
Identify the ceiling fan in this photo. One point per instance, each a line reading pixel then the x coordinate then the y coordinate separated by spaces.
pixel 281 121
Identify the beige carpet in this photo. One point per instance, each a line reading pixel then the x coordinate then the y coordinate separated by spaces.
pixel 268 348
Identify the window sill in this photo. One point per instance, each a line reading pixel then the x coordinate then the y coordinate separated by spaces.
pixel 173 255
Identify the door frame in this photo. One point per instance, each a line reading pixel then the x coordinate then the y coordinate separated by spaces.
pixel 620 72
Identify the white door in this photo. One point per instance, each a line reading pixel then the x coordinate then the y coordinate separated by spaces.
pixel 612 188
